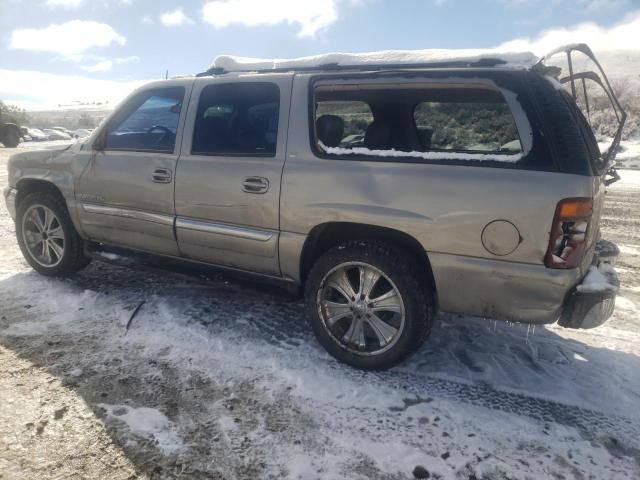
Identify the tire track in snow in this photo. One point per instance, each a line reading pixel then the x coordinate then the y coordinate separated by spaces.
pixel 589 422
pixel 274 321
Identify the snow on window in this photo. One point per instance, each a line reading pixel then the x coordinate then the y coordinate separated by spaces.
pixel 392 153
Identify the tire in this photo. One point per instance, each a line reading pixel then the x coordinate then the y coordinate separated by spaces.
pixel 71 257
pixel 10 136
pixel 410 312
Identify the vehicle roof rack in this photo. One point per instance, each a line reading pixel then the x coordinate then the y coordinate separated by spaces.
pixel 335 67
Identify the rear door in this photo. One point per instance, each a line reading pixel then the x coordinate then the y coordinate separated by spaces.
pixel 228 181
pixel 597 112
pixel 126 191
pixel 579 71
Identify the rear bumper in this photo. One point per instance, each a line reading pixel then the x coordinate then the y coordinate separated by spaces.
pixel 502 290
pixel 590 303
pixel 526 293
pixel 10 200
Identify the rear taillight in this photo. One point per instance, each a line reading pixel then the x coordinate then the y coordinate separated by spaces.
pixel 568 237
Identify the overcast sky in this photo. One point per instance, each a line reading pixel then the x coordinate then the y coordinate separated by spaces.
pixel 57 51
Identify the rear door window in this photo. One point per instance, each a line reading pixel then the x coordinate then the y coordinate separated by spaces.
pixel 237 119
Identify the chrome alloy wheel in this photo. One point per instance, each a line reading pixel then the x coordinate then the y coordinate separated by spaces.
pixel 361 308
pixel 43 235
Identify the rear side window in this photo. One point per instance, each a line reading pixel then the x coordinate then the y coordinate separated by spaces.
pixel 467 126
pixel 149 122
pixel 461 122
pixel 356 117
pixel 237 119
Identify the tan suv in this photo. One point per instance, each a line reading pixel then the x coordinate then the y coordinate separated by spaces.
pixel 387 191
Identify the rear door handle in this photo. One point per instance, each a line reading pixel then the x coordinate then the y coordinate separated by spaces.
pixel 161 175
pixel 255 185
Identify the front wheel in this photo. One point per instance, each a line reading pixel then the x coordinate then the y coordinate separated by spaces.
pixel 47 237
pixel 367 306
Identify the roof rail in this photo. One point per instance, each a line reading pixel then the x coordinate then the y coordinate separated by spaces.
pixel 335 67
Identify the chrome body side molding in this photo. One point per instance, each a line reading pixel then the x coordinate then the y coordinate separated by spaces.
pixel 124 212
pixel 224 229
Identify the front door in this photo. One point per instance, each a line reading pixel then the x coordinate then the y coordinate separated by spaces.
pixel 126 191
pixel 228 181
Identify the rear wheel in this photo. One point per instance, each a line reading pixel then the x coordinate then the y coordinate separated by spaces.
pixel 366 304
pixel 46 236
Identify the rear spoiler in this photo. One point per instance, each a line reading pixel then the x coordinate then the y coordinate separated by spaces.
pixel 601 79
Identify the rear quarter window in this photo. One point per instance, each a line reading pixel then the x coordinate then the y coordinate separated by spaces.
pixel 418 122
pixel 471 126
pixel 355 115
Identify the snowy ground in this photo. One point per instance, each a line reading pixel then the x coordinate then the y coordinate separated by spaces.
pixel 629 157
pixel 220 378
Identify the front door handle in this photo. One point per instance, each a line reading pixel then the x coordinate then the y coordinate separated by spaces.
pixel 255 185
pixel 161 175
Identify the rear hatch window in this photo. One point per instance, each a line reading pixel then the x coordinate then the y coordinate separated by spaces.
pixel 593 102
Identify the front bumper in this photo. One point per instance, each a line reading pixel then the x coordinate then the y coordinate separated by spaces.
pixel 10 200
pixel 592 301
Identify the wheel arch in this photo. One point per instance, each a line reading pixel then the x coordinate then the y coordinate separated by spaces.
pixel 26 186
pixel 51 196
pixel 328 235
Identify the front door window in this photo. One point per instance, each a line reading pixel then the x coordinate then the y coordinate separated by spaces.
pixel 149 122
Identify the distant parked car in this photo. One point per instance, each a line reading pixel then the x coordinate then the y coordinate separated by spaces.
pixel 37 135
pixel 56 134
pixel 81 133
pixel 24 134
pixel 63 130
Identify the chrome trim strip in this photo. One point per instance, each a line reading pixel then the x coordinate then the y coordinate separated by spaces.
pixel 198 262
pixel 223 229
pixel 134 214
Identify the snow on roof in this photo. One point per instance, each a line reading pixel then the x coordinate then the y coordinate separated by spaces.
pixel 393 57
